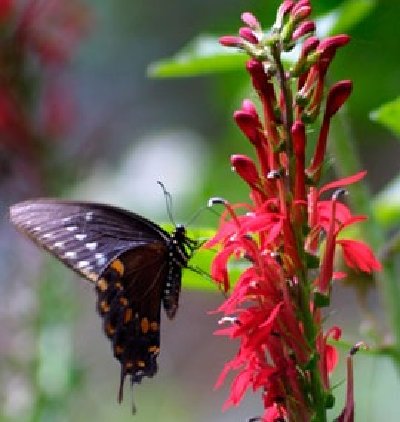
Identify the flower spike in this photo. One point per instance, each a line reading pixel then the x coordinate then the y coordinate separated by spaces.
pixel 286 237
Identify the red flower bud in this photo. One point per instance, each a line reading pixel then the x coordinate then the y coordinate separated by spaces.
pixel 259 78
pixel 337 96
pixel 249 124
pixel 231 41
pixel 301 10
pixel 250 108
pixel 304 28
pixel 251 21
pixel 310 44
pixel 246 169
pixel 328 46
pixel 285 8
pixel 247 34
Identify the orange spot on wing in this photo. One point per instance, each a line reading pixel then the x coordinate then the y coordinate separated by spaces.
pixel 118 350
pixel 110 330
pixel 128 315
pixel 144 325
pixel 123 301
pixel 102 285
pixel 104 306
pixel 118 266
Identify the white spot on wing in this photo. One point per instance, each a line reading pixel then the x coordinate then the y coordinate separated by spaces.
pixel 66 219
pixel 101 259
pixel 89 216
pixel 83 264
pixel 70 254
pixel 72 228
pixel 59 244
pixel 37 229
pixel 47 235
pixel 80 236
pixel 91 246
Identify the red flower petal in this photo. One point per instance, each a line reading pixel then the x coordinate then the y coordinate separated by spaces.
pixel 343 182
pixel 359 256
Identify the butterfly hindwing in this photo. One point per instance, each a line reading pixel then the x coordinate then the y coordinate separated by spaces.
pixel 129 295
pixel 84 236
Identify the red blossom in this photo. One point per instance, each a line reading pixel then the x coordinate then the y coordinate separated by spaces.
pixel 274 309
pixel 359 256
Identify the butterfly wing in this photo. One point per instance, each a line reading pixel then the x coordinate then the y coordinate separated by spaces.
pixel 129 295
pixel 84 236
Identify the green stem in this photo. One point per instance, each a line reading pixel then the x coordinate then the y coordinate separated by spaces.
pixel 316 386
pixel 347 162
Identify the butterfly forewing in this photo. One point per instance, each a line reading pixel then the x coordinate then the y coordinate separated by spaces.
pixel 85 236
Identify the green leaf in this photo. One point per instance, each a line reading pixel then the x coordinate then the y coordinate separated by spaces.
pixel 386 205
pixel 203 55
pixel 201 261
pixel 389 116
pixel 349 14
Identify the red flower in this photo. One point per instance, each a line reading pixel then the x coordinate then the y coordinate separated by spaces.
pixel 286 236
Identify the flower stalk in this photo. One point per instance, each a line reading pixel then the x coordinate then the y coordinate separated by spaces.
pixel 290 230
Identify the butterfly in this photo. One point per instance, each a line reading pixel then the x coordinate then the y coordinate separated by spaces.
pixel 133 263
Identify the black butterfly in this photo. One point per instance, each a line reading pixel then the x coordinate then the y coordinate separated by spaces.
pixel 133 263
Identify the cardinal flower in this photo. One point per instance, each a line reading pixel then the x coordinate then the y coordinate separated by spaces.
pixel 284 239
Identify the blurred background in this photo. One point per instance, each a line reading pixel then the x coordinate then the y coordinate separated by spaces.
pixel 81 118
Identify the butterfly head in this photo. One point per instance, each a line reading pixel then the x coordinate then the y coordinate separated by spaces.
pixel 179 237
pixel 180 233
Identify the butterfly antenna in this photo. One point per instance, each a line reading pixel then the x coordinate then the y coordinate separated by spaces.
pixel 199 211
pixel 168 201
pixel 195 215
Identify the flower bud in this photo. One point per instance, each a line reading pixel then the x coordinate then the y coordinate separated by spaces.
pixel 249 124
pixel 283 10
pixel 299 8
pixel 249 107
pixel 246 169
pixel 231 41
pixel 248 35
pixel 310 44
pixel 337 96
pixel 251 21
pixel 303 29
